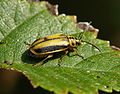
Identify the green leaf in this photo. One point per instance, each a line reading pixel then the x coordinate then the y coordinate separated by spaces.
pixel 22 21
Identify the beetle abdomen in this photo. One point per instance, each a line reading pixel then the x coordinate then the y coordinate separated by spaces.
pixel 49 45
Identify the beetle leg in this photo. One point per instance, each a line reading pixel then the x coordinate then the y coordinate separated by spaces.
pixel 43 61
pixel 60 59
pixel 77 53
pixel 66 52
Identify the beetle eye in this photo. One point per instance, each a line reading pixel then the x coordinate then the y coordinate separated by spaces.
pixel 73 44
pixel 78 43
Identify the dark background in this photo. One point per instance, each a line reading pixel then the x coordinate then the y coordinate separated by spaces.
pixel 104 15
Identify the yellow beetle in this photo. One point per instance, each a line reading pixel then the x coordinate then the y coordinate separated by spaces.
pixel 49 45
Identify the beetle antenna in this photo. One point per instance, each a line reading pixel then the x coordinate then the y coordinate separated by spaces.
pixel 85 26
pixel 81 35
pixel 91 44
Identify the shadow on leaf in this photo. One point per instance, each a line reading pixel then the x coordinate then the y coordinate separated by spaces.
pixel 27 58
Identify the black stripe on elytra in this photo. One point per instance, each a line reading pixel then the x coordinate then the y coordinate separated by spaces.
pixel 50 48
pixel 45 39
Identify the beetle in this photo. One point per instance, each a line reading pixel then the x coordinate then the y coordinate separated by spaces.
pixel 49 45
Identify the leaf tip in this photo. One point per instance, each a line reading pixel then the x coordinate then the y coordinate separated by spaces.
pixel 87 26
pixel 52 8
pixel 115 48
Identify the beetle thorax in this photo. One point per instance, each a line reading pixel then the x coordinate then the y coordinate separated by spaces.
pixel 73 41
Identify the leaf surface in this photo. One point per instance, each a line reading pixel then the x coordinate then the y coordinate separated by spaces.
pixel 22 21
